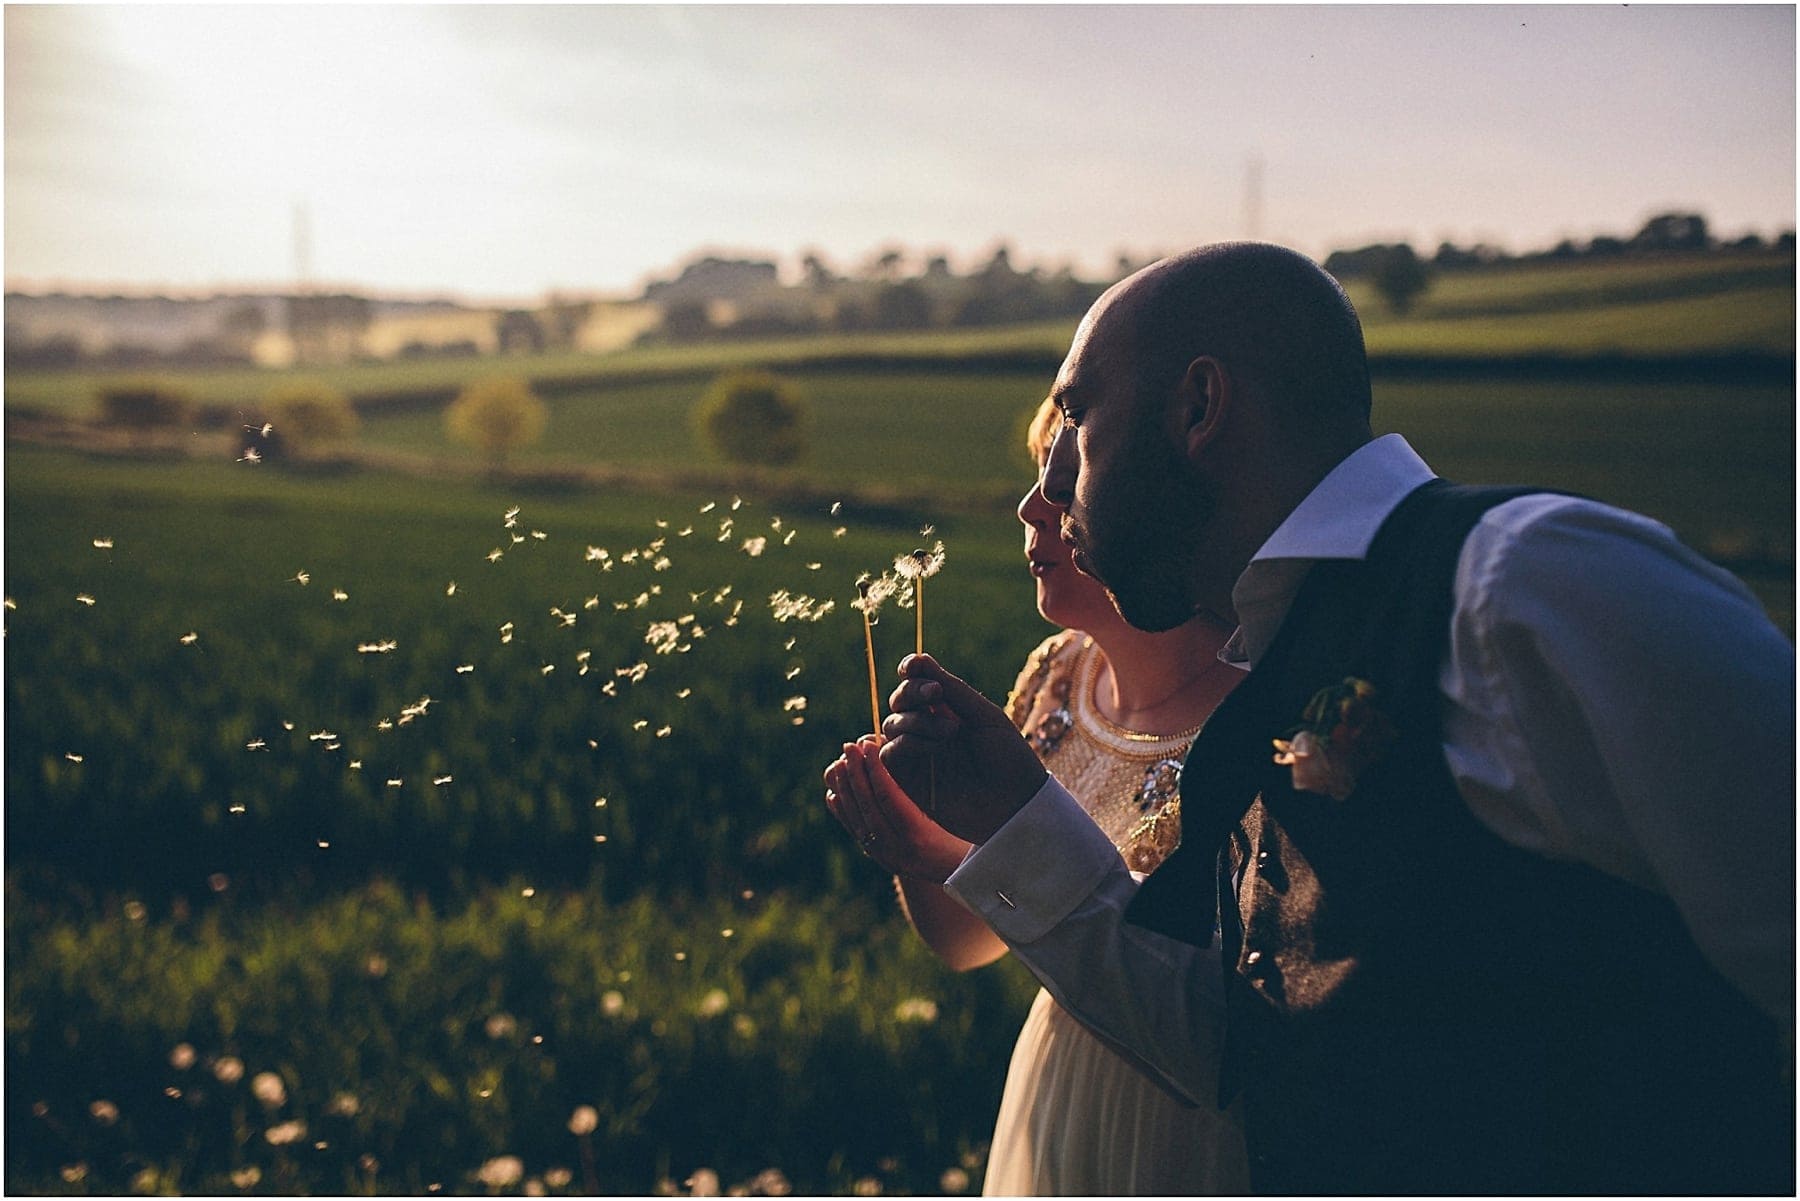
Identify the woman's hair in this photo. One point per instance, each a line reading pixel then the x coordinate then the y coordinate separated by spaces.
pixel 1042 432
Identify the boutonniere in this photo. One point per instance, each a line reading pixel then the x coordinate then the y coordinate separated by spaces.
pixel 1341 735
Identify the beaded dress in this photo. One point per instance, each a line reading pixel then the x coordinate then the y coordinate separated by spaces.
pixel 1076 1119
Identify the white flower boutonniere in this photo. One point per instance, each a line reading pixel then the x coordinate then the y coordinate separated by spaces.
pixel 1341 735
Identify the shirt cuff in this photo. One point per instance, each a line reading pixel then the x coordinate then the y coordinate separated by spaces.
pixel 1034 871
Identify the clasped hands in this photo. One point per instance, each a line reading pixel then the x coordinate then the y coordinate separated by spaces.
pixel 949 770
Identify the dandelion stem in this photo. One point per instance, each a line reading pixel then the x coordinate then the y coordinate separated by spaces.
pixel 862 589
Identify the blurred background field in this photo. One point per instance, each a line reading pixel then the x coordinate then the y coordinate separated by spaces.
pixel 424 632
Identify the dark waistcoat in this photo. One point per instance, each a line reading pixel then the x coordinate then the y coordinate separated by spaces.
pixel 1415 1005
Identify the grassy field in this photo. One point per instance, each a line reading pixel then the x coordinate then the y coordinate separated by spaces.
pixel 455 862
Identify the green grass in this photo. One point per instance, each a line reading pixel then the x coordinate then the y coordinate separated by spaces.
pixel 416 1042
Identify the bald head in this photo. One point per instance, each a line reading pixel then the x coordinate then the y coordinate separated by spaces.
pixel 1280 324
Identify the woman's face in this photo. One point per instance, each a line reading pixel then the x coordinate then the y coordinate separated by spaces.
pixel 1065 596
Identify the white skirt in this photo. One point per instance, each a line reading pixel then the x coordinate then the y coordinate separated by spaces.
pixel 1078 1120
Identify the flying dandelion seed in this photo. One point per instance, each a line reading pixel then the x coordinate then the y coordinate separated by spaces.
pixel 324 845
pixel 840 531
pixel 599 838
pixel 814 566
pixel 250 456
pixel 663 636
pixel 662 563
pixel 789 644
pixel 263 430
pixel 450 588
pixel 684 531
pixel 11 603
pixel 793 671
pixel 754 546
pixel 599 802
pixel 495 555
pixel 189 638
pixel 546 669
pixel 440 780
pixel 237 808
pixel 376 648
pixel 540 535
pixel 506 632
pixel 256 744
pixel 356 765
pixel 621 606
pixel 302 578
pixel 657 545
pixel 583 656
pixel 84 598
pixel 322 736
pixel 464 669
pixel 663 731
pixel 395 782
pixel 103 544
pixel 709 506
pixel 684 694
pixel 72 757
pixel 737 502
pixel 610 688
pixel 288 726
pixel 592 602
pixel 517 538
pixel 511 517
pixel 793 704
pixel 338 594
pixel 640 600
pixel 775 524
pixel 385 723
pixel 788 541
pixel 639 724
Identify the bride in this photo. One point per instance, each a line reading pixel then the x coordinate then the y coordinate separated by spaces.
pixel 1111 710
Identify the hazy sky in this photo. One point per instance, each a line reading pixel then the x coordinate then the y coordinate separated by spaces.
pixel 501 151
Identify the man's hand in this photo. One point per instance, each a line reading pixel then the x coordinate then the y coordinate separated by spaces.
pixel 956 752
pixel 885 822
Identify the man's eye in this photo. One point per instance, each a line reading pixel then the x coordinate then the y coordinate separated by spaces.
pixel 1071 419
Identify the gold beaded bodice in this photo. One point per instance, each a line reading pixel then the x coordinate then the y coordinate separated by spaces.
pixel 1129 783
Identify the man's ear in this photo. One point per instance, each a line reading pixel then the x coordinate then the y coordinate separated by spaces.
pixel 1204 400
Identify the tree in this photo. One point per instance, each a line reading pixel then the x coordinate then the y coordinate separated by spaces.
pixel 496 416
pixel 311 415
pixel 1400 276
pixel 1672 231
pixel 753 417
pixel 143 406
pixel 902 306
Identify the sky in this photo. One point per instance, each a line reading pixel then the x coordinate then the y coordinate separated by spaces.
pixel 503 152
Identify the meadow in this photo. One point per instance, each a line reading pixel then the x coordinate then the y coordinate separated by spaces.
pixel 386 827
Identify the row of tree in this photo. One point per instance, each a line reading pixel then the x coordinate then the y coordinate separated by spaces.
pixel 744 416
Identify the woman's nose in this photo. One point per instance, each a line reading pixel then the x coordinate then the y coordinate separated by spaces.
pixel 1057 483
pixel 1034 510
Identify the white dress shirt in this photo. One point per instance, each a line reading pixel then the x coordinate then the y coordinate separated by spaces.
pixel 1610 698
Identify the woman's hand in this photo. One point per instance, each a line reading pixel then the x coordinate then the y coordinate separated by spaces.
pixel 885 822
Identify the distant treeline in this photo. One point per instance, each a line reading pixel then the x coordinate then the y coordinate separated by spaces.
pixel 719 299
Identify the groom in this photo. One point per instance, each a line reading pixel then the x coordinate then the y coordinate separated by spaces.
pixel 1509 906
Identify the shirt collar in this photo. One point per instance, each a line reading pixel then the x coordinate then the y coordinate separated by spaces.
pixel 1338 520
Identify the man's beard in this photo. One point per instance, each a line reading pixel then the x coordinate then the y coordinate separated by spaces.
pixel 1138 538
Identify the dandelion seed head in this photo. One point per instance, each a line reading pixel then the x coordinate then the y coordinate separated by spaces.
pixel 270 1089
pixel 286 1133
